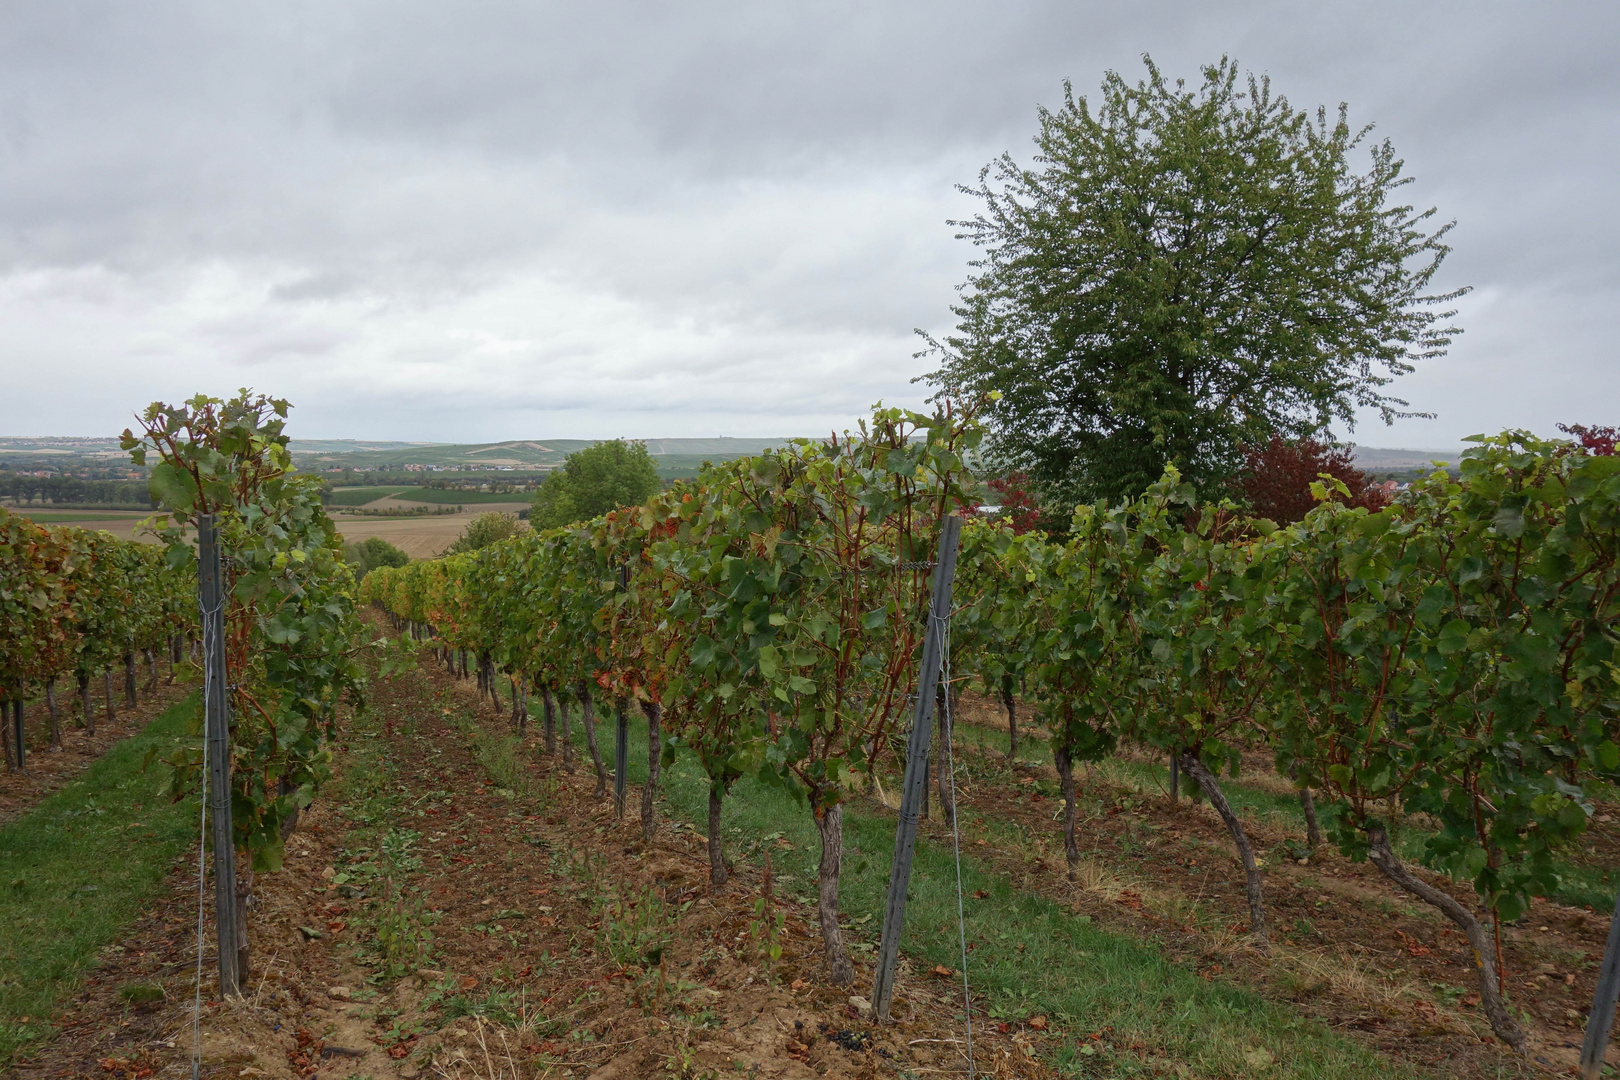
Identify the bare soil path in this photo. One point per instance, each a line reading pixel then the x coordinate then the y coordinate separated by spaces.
pixel 561 944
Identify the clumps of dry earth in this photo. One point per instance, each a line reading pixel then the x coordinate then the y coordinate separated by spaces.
pixel 431 923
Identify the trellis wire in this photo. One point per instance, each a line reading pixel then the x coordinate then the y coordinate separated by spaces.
pixel 956 839
pixel 202 857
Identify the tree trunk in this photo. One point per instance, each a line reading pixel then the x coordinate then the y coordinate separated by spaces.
pixel 151 670
pixel 830 823
pixel 1251 871
pixel 519 691
pixel 1011 706
pixel 244 898
pixel 129 680
pixel 1313 830
pixel 1071 805
pixel 87 709
pixel 548 707
pixel 717 861
pixel 567 732
pixel 942 758
pixel 5 721
pixel 587 709
pixel 486 677
pixel 655 750
pixel 289 824
pixel 1479 938
pixel 112 705
pixel 55 713
pixel 1175 778
pixel 22 735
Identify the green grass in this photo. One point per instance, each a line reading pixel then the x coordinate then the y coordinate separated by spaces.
pixel 1030 956
pixel 364 496
pixel 79 867
pixel 466 498
pixel 58 517
pixel 1578 886
pixel 360 496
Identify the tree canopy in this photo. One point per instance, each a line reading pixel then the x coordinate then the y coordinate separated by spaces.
pixel 1183 273
pixel 373 552
pixel 593 481
pixel 484 530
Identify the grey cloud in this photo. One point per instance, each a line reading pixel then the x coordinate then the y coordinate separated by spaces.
pixel 458 220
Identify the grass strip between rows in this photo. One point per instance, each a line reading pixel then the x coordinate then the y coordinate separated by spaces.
pixel 1030 956
pixel 76 869
pixel 1578 885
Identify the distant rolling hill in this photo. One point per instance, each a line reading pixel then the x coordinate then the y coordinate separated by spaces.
pixel 675 457
pixel 516 453
pixel 1382 459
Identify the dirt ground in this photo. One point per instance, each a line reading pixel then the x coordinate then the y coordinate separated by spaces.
pixel 534 900
pixel 541 904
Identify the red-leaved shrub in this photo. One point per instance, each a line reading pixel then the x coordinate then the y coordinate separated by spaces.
pixel 1277 478
pixel 1595 440
pixel 1017 504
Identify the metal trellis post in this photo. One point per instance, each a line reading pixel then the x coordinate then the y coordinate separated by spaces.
pixel 1602 1018
pixel 905 840
pixel 217 724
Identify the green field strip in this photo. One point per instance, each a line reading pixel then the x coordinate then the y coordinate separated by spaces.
pixel 360 496
pixel 447 496
pixel 76 869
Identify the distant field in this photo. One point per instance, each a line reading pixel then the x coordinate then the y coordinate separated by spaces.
pixel 422 537
pixel 59 517
pixel 360 496
pixel 365 496
pixel 118 523
pixel 466 498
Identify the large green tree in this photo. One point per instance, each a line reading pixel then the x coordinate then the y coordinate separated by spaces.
pixel 593 481
pixel 1181 273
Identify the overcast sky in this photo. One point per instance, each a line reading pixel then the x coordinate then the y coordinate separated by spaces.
pixel 475 221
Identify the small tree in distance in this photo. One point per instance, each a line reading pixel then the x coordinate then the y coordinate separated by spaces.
pixel 373 552
pixel 484 530
pixel 1277 477
pixel 593 481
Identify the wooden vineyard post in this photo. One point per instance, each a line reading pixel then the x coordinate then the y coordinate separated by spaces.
pixel 216 724
pixel 1602 1017
pixel 621 742
pixel 916 782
